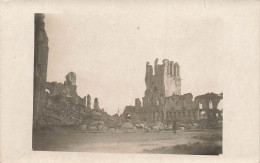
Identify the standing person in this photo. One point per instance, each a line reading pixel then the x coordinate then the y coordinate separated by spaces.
pixel 174 126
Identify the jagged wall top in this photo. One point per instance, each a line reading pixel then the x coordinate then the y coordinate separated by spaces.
pixel 166 68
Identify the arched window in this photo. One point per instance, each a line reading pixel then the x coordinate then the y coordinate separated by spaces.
pixel 200 105
pixel 203 115
pixel 47 90
pixel 220 105
pixel 210 105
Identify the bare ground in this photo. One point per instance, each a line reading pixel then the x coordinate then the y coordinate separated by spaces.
pixel 135 142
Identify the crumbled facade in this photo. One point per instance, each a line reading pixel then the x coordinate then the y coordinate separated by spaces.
pixel 65 107
pixel 58 103
pixel 68 90
pixel 208 105
pixel 163 102
pixel 162 81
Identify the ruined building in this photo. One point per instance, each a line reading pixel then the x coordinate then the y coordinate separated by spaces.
pixel 68 90
pixel 164 82
pixel 57 103
pixel 63 106
pixel 163 101
pixel 41 50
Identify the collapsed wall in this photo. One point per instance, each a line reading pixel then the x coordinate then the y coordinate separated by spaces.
pixel 179 107
pixel 58 103
pixel 64 107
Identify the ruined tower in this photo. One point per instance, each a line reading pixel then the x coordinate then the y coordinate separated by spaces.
pixel 88 101
pixel 163 81
pixel 41 50
pixel 138 103
pixel 96 104
pixel 71 78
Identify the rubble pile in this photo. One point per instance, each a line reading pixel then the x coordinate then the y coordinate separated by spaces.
pixel 127 125
pixel 68 115
pixel 64 107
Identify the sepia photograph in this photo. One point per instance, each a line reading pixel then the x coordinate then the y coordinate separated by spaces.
pixel 112 85
pixel 129 81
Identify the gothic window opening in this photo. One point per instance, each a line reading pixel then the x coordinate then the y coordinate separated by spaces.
pixel 47 91
pixel 200 105
pixel 210 105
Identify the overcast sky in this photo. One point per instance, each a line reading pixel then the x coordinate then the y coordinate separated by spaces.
pixel 108 49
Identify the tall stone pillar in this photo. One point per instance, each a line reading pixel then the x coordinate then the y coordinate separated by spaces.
pixel 41 50
pixel 88 102
pixel 156 66
pixel 96 104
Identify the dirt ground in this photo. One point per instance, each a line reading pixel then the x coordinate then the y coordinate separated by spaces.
pixel 120 142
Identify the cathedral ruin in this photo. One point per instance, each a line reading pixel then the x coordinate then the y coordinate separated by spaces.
pixel 163 100
pixel 59 104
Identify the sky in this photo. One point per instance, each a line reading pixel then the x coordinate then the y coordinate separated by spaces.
pixel 108 49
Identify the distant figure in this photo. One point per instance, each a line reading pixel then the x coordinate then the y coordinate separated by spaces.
pixel 174 126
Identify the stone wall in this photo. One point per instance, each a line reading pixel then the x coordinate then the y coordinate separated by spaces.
pixel 66 91
pixel 138 103
pixel 206 99
pixel 63 106
pixel 180 107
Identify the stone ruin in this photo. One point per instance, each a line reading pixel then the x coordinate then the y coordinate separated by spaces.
pixel 58 104
pixel 163 101
pixel 64 107
pixel 41 51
